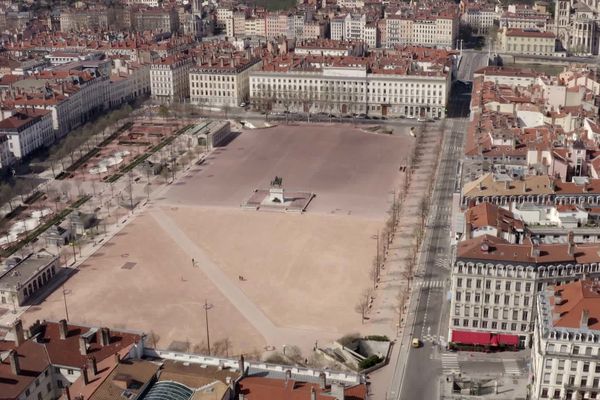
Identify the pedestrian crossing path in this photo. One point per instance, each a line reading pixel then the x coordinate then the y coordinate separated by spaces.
pixel 432 338
pixel 440 208
pixel 430 284
pixel 511 367
pixel 441 262
pixel 450 364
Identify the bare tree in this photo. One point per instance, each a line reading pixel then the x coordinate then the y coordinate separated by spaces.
pixel 362 305
pixel 374 271
pixel 154 338
pixel 54 196
pixel 129 188
pixel 226 109
pixel 66 188
pixel 148 190
pixel 221 347
pixel 423 210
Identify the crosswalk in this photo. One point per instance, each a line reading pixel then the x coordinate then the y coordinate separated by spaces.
pixel 450 364
pixel 442 209
pixel 511 367
pixel 441 262
pixel 432 338
pixel 430 284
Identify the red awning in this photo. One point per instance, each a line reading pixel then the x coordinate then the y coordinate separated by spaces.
pixel 484 338
pixel 465 337
pixel 510 340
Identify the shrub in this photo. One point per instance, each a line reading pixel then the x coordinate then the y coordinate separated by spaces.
pixel 377 338
pixel 369 362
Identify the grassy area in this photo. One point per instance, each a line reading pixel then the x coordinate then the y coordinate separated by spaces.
pixel 546 69
pixel 139 159
pixel 42 228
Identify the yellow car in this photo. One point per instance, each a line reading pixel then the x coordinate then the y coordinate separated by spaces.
pixel 416 343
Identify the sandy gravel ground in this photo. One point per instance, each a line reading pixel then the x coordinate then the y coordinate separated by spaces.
pixel 303 273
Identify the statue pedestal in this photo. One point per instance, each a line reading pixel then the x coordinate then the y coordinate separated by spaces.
pixel 276 195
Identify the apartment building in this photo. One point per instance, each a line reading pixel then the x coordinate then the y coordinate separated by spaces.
pixel 255 26
pixel 157 19
pixel 65 111
pixel 355 27
pixel 6 156
pixel 147 3
pixel 530 42
pixel 224 16
pixel 313 30
pixel 479 17
pixel 44 360
pixel 376 85
pixel 527 21
pixel 169 78
pixel 279 24
pixel 27 130
pixel 422 29
pixel 494 283
pixel 566 344
pixel 223 81
pixel 239 24
pixel 101 19
pixel 325 47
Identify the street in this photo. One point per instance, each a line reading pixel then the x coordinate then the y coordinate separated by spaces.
pixel 418 370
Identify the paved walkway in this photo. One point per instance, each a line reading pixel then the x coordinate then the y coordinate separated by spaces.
pixel 386 316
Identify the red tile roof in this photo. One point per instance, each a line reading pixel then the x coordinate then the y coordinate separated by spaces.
pixel 259 388
pixel 575 299
pixel 47 348
pixel 33 360
pixel 491 248
pixel 66 352
pixel 487 214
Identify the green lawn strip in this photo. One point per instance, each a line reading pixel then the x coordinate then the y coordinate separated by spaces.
pixel 42 228
pixel 86 157
pixel 140 159
pixel 115 134
pixel 33 197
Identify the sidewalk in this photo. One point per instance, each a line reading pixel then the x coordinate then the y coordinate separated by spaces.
pixel 386 317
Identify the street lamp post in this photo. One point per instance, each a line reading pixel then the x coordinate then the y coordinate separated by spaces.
pixel 206 308
pixel 64 292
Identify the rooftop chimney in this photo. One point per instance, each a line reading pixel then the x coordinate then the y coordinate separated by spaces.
pixel 18 332
pixel 117 358
pixel 92 366
pixel 63 329
pixel 67 393
pixel 535 251
pixel 571 248
pixel 468 228
pixel 104 337
pixel 84 375
pixel 13 358
pixel 288 376
pixel 585 316
pixel 338 391
pixel 242 365
pixel 313 394
pixel 322 381
pixel 82 346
